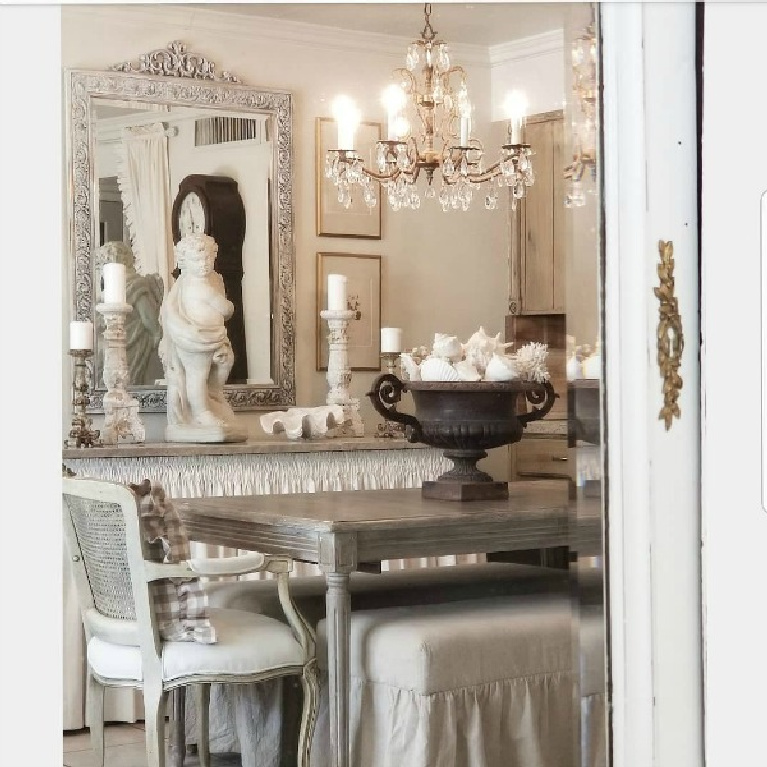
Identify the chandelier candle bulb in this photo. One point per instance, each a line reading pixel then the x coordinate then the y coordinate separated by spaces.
pixel 391 340
pixel 336 292
pixel 114 283
pixel 516 110
pixel 81 335
pixel 464 131
pixel 394 101
pixel 347 116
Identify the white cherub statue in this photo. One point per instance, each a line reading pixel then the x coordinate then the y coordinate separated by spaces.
pixel 195 348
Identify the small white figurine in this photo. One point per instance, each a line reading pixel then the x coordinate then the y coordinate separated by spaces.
pixel 195 348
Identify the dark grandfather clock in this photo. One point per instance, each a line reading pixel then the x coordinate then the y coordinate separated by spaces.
pixel 212 205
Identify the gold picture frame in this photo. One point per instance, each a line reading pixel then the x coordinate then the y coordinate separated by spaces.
pixel 333 220
pixel 363 290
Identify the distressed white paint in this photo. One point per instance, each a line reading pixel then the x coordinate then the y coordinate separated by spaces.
pixel 653 544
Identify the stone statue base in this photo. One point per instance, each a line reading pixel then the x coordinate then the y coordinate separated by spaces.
pixel 179 432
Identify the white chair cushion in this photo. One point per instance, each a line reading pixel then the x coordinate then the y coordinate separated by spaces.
pixel 437 648
pixel 248 643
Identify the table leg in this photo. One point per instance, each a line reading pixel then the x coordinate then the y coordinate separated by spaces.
pixel 338 606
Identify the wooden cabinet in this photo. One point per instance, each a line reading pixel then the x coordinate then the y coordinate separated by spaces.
pixel 539 457
pixel 538 225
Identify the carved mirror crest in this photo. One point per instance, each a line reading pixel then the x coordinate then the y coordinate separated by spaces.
pixel 142 136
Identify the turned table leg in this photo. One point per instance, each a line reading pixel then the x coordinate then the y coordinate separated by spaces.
pixel 337 560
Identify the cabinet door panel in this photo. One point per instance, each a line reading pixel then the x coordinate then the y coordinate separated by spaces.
pixel 537 262
pixel 558 214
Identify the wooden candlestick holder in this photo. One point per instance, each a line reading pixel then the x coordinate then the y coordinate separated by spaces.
pixel 339 375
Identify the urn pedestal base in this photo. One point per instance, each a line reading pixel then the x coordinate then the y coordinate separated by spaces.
pixel 447 490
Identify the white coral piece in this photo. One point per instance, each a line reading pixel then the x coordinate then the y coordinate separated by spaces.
pixel 410 367
pixel 530 361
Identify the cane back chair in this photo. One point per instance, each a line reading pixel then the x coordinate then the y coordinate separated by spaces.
pixel 112 570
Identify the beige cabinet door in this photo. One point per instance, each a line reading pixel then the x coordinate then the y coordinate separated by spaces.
pixel 542 243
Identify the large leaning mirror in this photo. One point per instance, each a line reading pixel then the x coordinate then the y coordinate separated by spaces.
pixel 162 148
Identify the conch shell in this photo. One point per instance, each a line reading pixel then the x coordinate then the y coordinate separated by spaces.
pixel 481 347
pixel 501 368
pixel 447 347
pixel 436 369
pixel 466 371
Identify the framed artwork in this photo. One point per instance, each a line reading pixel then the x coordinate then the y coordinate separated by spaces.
pixel 363 295
pixel 333 220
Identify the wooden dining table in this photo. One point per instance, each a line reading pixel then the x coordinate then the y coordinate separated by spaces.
pixel 344 531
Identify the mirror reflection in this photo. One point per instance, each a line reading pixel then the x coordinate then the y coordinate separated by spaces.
pixel 166 171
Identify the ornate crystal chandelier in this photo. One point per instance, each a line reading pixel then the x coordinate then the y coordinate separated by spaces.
pixel 584 115
pixel 436 143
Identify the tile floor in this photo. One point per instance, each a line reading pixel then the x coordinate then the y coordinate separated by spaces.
pixel 124 747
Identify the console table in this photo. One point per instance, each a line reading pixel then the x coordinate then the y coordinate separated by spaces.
pixel 342 531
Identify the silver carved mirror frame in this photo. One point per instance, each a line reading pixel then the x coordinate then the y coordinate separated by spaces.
pixel 171 76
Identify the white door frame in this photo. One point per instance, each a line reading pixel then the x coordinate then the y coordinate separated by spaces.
pixel 653 534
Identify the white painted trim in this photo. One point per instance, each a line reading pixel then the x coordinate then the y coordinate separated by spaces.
pixel 626 369
pixel 186 21
pixel 654 503
pixel 527 47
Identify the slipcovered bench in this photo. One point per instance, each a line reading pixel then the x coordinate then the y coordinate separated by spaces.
pixel 479 683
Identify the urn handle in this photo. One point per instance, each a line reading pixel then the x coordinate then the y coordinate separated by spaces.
pixel 539 394
pixel 385 393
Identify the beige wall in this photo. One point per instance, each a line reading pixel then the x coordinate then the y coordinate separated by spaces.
pixel 443 272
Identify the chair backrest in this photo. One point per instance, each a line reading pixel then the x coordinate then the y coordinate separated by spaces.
pixel 102 529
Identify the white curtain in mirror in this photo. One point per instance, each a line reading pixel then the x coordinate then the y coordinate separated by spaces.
pixel 143 180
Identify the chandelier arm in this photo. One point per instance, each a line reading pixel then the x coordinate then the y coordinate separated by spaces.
pixel 411 81
pixel 393 176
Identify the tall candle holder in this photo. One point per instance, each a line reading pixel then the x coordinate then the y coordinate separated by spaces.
pixel 391 429
pixel 121 419
pixel 81 434
pixel 339 375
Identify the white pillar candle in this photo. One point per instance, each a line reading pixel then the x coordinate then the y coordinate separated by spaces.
pixel 464 131
pixel 516 111
pixel 336 292
pixel 394 101
pixel 347 116
pixel 391 340
pixel 80 334
pixel 114 283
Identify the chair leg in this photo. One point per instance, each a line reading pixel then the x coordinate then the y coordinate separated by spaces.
pixel 178 727
pixel 96 718
pixel 203 719
pixel 154 724
pixel 310 685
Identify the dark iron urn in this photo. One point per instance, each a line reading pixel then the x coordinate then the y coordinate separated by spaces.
pixel 466 419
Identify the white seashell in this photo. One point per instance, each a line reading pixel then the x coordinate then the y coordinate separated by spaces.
pixel 466 371
pixel 501 368
pixel 447 347
pixel 410 367
pixel 592 366
pixel 303 422
pixel 480 348
pixel 573 368
pixel 436 369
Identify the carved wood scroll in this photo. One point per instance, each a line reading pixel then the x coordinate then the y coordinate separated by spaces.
pixel 670 335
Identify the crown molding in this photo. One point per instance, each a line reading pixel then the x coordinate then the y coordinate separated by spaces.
pixel 188 20
pixel 527 47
